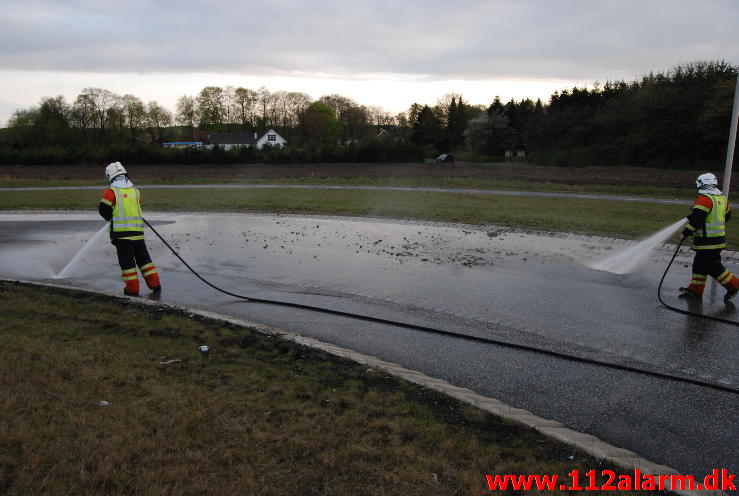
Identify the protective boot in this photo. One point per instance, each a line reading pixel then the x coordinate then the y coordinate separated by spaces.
pixel 131 278
pixel 696 286
pixel 730 282
pixel 151 277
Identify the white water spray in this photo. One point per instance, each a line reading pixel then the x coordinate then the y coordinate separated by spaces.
pixel 627 261
pixel 82 252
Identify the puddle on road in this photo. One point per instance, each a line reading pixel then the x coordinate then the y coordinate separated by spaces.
pixel 287 247
pixel 235 241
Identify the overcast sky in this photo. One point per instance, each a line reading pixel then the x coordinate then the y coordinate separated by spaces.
pixel 386 53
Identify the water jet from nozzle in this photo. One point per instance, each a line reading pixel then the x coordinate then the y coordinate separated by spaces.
pixel 629 260
pixel 81 253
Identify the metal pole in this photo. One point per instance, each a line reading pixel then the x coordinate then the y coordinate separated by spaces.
pixel 729 156
pixel 732 141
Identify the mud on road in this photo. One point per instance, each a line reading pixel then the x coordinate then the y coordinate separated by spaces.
pixel 616 176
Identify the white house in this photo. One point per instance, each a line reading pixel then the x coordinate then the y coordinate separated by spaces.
pixel 272 138
pixel 234 140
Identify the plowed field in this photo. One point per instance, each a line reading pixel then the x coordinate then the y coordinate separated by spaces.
pixel 622 176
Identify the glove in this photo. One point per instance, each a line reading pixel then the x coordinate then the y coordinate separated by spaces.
pixel 687 232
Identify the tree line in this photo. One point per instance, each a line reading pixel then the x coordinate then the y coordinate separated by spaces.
pixel 100 117
pixel 678 118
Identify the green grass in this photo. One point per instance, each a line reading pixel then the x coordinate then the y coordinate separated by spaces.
pixel 609 218
pixel 421 182
pixel 259 415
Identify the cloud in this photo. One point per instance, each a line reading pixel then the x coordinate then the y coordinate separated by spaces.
pixel 436 40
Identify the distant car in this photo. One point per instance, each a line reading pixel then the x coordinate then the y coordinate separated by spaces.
pixel 445 157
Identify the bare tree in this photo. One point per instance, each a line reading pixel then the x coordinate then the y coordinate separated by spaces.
pixel 210 106
pixel 228 97
pixel 187 112
pixel 297 103
pixel 401 119
pixel 158 117
pixel 264 100
pixel 115 121
pixel 279 110
pixel 83 113
pixel 341 104
pixel 116 114
pixel 101 100
pixel 244 102
pixel 134 113
pixel 379 117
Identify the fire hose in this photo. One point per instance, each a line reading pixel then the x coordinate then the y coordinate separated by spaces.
pixel 444 332
pixel 680 310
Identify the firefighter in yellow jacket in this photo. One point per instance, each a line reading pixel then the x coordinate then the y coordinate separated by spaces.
pixel 707 225
pixel 121 206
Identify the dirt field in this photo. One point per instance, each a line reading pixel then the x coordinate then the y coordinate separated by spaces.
pixel 625 176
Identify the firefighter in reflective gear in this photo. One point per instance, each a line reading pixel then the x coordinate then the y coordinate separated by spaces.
pixel 121 206
pixel 706 223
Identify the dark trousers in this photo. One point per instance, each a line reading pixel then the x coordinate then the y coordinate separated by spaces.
pixel 708 263
pixel 131 253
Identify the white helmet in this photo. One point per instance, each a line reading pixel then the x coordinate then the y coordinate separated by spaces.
pixel 706 180
pixel 113 170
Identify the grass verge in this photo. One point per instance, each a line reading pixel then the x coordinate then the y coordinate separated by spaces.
pixel 258 415
pixel 412 182
pixel 629 220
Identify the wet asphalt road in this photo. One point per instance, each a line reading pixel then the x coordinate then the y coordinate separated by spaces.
pixel 516 286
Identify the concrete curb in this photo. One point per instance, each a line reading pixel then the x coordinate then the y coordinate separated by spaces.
pixel 590 444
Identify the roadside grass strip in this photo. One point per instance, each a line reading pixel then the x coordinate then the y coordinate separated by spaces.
pixel 410 182
pixel 105 395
